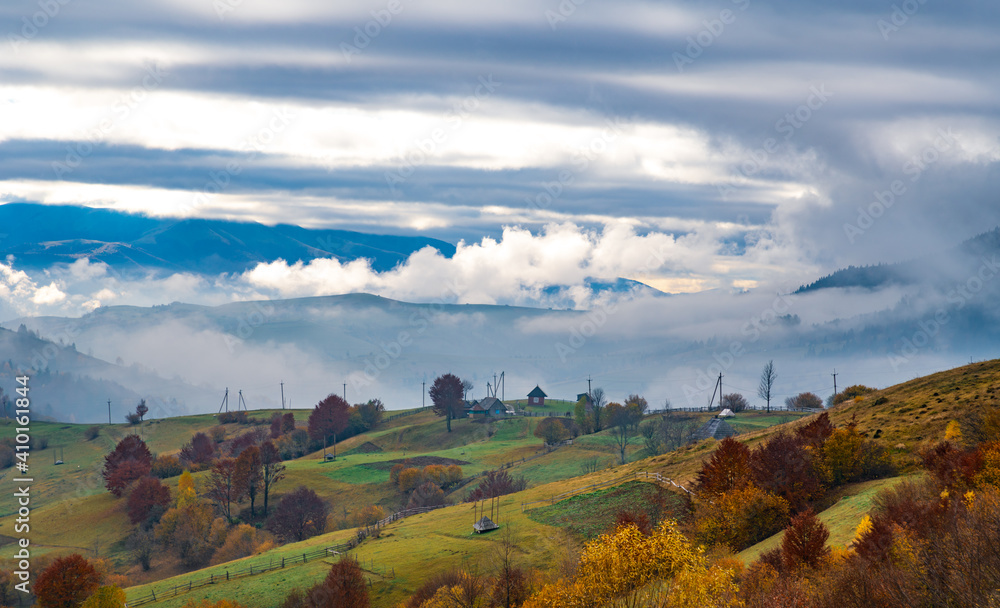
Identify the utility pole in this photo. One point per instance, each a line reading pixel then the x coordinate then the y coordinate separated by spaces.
pixel 345 391
pixel 589 394
pixel 282 394
pixel 834 374
pixel 109 411
pixel 423 392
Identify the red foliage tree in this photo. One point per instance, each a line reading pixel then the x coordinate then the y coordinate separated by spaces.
pixel 275 426
pixel 287 423
pixel 66 582
pixel 345 585
pixel 727 469
pixel 200 450
pixel 249 475
pixel 328 418
pixel 448 396
pixel 952 466
pixel 804 543
pixel 129 461
pixel 816 432
pixel 300 515
pixel 784 467
pixel 148 494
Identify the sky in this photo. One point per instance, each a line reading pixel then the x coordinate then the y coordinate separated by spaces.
pixel 732 145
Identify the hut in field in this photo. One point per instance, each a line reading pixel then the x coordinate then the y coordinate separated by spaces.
pixel 716 428
pixel 537 396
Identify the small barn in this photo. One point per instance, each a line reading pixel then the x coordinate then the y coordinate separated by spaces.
pixel 716 428
pixel 493 407
pixel 536 396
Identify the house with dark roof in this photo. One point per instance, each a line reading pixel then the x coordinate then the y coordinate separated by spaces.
pixel 536 396
pixel 495 407
pixel 716 428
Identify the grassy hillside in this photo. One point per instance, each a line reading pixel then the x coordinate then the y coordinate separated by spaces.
pixel 906 417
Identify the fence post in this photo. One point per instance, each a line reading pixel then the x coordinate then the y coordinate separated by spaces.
pixel 227 575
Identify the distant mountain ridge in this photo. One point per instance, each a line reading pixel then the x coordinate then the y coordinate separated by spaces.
pixel 933 268
pixel 39 236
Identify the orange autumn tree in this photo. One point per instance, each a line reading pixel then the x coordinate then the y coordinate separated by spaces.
pixel 66 583
pixel 728 469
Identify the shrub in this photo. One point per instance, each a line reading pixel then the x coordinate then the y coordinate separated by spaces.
pixel 218 433
pixel 427 494
pixel 734 402
pixel 200 450
pixel 410 478
pixel 92 433
pixel 344 585
pixel 804 401
pixel 166 466
pixel 849 393
pixel 740 518
pixel 238 417
pixel 242 541
pixel 368 516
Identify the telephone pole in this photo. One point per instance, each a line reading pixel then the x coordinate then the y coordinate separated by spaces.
pixel 834 374
pixel 423 392
pixel 345 391
pixel 282 394
pixel 109 411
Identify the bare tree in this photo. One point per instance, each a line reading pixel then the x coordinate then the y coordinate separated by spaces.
pixel 767 378
pixel 598 401
pixel 467 387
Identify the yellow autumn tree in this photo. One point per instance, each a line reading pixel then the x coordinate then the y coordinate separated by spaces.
pixel 620 564
pixel 108 596
pixel 185 490
pixel 713 587
pixel 953 432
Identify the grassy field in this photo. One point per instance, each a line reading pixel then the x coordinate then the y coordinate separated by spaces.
pixel 907 417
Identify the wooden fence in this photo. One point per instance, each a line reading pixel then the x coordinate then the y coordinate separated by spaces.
pixel 252 570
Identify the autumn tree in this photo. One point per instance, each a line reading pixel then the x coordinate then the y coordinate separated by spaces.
pixel 200 451
pixel 328 418
pixel 242 541
pixel 272 470
pixel 804 543
pixel 190 531
pixel 727 469
pixel 108 596
pixel 371 412
pixel 148 499
pixel 816 432
pixel 129 461
pixel 804 401
pixel 142 409
pixel 344 585
pixel 225 486
pixel 447 396
pixel 551 431
pixel 783 466
pixel 250 475
pixel 300 515
pixel 66 583
pixel 765 389
pixel 583 418
pixel 740 517
pixel 186 494
pixel 141 543
pixel 498 482
pixel 427 494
